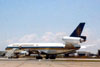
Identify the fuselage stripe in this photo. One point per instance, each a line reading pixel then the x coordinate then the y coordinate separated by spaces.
pixel 35 47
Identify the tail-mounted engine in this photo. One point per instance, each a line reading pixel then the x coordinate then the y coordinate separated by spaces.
pixel 83 37
pixel 74 40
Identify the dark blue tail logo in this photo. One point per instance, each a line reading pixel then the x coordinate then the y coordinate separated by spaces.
pixel 77 32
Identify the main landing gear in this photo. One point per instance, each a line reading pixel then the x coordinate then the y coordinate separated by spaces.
pixel 48 56
pixel 51 56
pixel 39 57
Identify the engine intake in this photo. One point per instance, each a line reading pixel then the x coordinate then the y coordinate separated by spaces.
pixel 83 37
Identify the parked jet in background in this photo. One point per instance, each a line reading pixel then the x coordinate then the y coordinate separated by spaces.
pixel 51 50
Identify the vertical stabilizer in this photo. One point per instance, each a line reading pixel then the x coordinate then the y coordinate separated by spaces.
pixel 77 32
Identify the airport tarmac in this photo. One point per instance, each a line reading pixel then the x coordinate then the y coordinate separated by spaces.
pixel 59 62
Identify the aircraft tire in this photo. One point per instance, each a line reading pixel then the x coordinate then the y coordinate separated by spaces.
pixel 50 56
pixel 53 56
pixel 47 57
pixel 39 57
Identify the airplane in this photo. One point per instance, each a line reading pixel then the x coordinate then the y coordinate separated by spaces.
pixel 50 50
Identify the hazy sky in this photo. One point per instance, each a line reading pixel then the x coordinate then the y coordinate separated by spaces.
pixel 48 21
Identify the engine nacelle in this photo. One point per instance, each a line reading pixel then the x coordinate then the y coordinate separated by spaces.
pixel 83 37
pixel 75 40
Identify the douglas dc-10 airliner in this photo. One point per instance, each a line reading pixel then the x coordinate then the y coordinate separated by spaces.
pixel 50 50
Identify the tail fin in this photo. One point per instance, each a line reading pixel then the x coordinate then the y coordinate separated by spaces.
pixel 77 32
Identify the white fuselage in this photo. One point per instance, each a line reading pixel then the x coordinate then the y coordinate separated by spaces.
pixel 49 48
pixel 33 45
pixel 71 43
